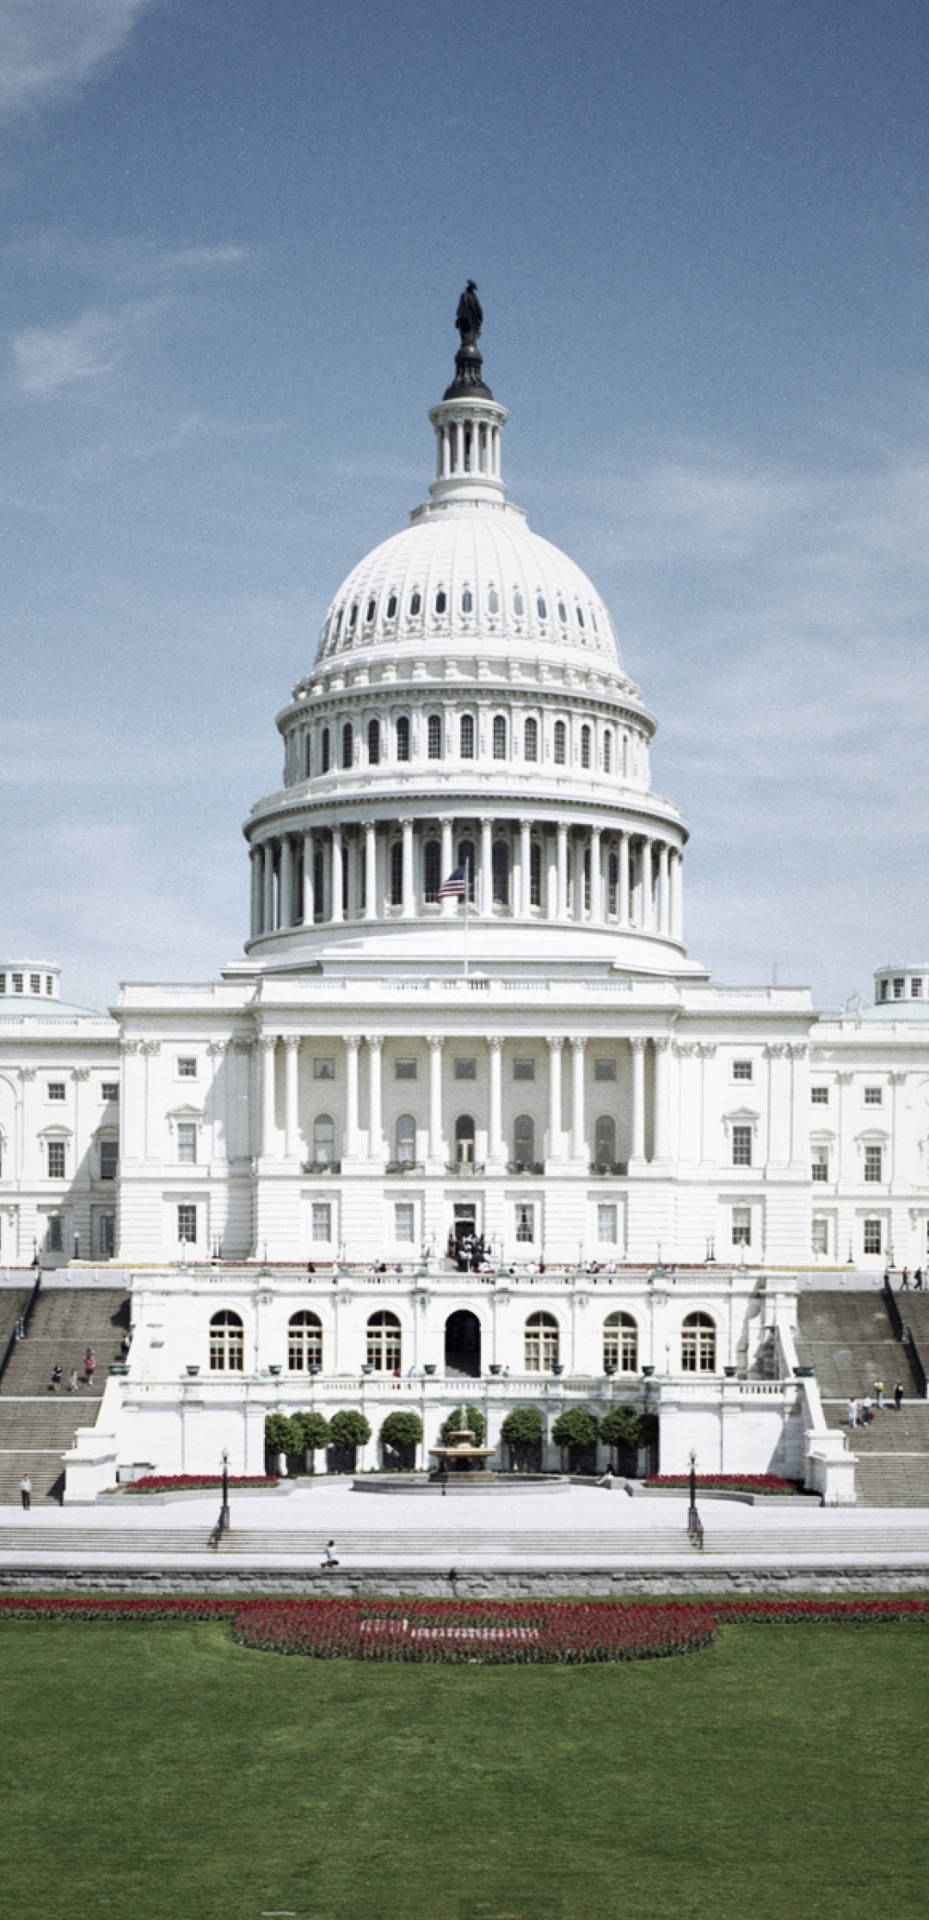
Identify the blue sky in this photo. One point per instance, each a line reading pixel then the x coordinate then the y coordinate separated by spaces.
pixel 234 233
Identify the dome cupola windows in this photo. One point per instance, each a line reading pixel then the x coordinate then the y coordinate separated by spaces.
pixel 499 736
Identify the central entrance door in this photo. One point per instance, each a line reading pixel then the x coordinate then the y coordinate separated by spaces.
pixel 463 1343
pixel 463 1236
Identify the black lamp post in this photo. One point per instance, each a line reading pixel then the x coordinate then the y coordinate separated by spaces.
pixel 224 1509
pixel 693 1518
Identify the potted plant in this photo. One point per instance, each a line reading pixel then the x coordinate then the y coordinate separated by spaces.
pixel 495 1367
pixel 192 1371
pixel 558 1366
pixel 429 1367
pixel 275 1368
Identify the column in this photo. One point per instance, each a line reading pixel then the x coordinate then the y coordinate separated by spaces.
pixel 800 1111
pixel 287 880
pixel 335 909
pixel 291 1058
pixel 268 888
pixel 496 1146
pixel 268 1044
pixel 664 896
pixel 255 862
pixel 677 909
pixel 435 1097
pixel 525 869
pixel 309 858
pixel 486 893
pixel 777 1152
pixel 551 891
pixel 596 877
pixel 647 915
pixel 375 1123
pixel 351 1097
pixel 406 827
pixel 624 879
pixel 662 1053
pixel 555 1142
pixel 638 1099
pixel 578 1139
pixel 562 858
pixel 449 905
pixel 370 870
pixel 578 861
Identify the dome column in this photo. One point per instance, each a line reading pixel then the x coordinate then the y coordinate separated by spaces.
pixel 496 1148
pixel 336 869
pixel 309 862
pixel 562 858
pixel 624 879
pixel 596 877
pixel 555 1142
pixel 551 883
pixel 287 881
pixel 485 901
pixel 268 888
pixel 578 863
pixel 664 895
pixel 677 914
pixel 370 857
pixel 525 869
pixel 255 859
pixel 449 905
pixel 406 828
pixel 637 1150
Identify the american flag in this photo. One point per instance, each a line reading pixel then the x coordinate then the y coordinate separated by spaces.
pixel 455 886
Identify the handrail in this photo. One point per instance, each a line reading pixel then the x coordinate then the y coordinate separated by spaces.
pixel 22 1324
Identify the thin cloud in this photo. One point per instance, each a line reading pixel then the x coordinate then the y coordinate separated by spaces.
pixel 218 256
pixel 52 46
pixel 47 358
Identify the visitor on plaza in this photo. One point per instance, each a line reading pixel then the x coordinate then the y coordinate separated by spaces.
pixel 898 1395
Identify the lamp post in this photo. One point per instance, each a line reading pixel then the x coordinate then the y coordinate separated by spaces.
pixel 694 1528
pixel 224 1509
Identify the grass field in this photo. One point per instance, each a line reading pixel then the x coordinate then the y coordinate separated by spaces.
pixel 160 1772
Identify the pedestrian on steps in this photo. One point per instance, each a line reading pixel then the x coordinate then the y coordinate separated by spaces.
pixel 853 1413
pixel 72 1383
pixel 329 1557
pixel 879 1395
pixel 89 1365
pixel 56 1376
pixel 25 1492
pixel 898 1395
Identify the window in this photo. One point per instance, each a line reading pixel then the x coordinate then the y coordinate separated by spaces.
pixel 898 989
pixel 535 874
pixel 518 605
pixel 325 751
pixel 404 1222
pixel 467 601
pixel 580 616
pixel 466 736
pixel 227 1343
pixel 874 1163
pixel 416 604
pixel 466 860
pixel 523 1069
pixel 321 1220
pixel 403 737
pixel 35 983
pixel 347 744
pixel 605 1140
pixel 109 1090
pixel 872 1237
pixel 525 1224
pixel 500 873
pixel 383 1351
pixel 353 618
pixel 606 1223
pixel 405 1069
pixel 524 1140
pixel 464 1140
pixel 819 1096
pixel 56 1159
pixel 56 1089
pixel 819 1169
pixel 541 1343
pixel 405 1139
pixel 441 601
pixel 604 1069
pixel 883 989
pixel 698 1344
pixel 2 982
pixel 531 739
pixel 324 1067
pixel 187 1142
pixel 324 1139
pixel 109 1159
pixel 820 1236
pixel 874 1096
pixel 434 736
pixel 493 601
pixel 54 1234
pixel 560 743
pixel 541 608
pixel 621 1343
pixel 741 1226
pixel 187 1068
pixel 187 1222
pixel 466 1069
pixel 392 606
pixel 17 982
pixel 432 870
pixel 106 1235
pixel 374 743
pixel 396 874
pixel 304 1342
pixel 370 612
pixel 585 746
pixel 562 612
pixel 499 737
pixel 742 1070
pixel 741 1146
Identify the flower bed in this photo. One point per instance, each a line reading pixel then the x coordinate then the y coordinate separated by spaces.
pixel 727 1482
pixel 196 1482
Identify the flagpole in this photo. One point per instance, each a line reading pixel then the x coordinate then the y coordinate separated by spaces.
pixel 467 889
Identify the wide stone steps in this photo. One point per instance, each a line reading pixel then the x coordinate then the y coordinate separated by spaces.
pixel 65 1321
pixel 34 1433
pixel 848 1338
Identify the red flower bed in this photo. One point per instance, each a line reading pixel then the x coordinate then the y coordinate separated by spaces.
pixel 728 1482
pixel 188 1482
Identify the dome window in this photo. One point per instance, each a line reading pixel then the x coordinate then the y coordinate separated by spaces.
pixel 608 752
pixel 562 613
pixel 535 874
pixel 441 601
pixel 493 601
pixel 347 745
pixel 593 621
pixel 585 746
pixel 531 740
pixel 374 743
pixel 403 737
pixel 580 616
pixel 396 874
pixel 307 757
pixel 500 873
pixel 324 751
pixel 499 736
pixel 353 617
pixel 467 601
pixel 541 608
pixel 519 607
pixel 416 604
pixel 613 883
pixel 370 611
pixel 337 628
pixel 466 736
pixel 466 860
pixel 392 607
pixel 434 737
pixel 432 870
pixel 560 747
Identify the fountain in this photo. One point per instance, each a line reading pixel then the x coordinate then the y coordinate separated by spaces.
pixel 462 1454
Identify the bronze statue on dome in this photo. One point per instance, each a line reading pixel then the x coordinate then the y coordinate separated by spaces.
pixel 470 316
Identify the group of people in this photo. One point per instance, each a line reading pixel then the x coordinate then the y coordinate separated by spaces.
pixel 861 1412
pixel 919 1280
pixel 74 1378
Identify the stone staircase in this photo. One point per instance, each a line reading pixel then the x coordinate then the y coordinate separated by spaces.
pixel 36 1425
pixel 848 1338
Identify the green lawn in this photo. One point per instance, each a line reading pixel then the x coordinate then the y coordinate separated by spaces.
pixel 159 1772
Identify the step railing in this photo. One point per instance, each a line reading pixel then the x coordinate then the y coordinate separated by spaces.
pixel 21 1327
pixel 904 1333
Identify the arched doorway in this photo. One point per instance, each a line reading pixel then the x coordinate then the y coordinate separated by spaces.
pixel 463 1343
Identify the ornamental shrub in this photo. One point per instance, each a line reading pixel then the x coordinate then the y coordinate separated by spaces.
pixel 348 1430
pixel 467 1416
pixel 521 1433
pixel 314 1432
pixel 400 1435
pixel 282 1435
pixel 575 1432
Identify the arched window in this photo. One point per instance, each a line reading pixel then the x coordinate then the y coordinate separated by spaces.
pixel 464 1140
pixel 621 1343
pixel 347 744
pixel 605 1140
pixel 499 736
pixel 466 860
pixel 403 737
pixel 392 606
pixel 405 1139
pixel 396 874
pixel 467 601
pixel 698 1344
pixel 304 1342
pixel 562 612
pixel 324 1139
pixel 585 746
pixel 466 736
pixel 560 743
pixel 586 879
pixel 608 752
pixel 416 602
pixel 541 1343
pixel 325 750
pixel 307 757
pixel 337 628
pixel 524 1140
pixel 374 742
pixel 319 881
pixel 612 885
pixel 531 739
pixel 500 864
pixel 432 870
pixel 353 618
pixel 370 611
pixel 535 874
pixel 580 616
pixel 518 605
pixel 227 1343
pixel 541 608
pixel 441 600
pixel 493 601
pixel 434 736
pixel 382 1344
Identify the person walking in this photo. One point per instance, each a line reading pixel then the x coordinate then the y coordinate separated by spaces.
pixel 56 1376
pixel 853 1413
pixel 25 1492
pixel 89 1365
pixel 879 1395
pixel 898 1395
pixel 72 1383
pixel 866 1410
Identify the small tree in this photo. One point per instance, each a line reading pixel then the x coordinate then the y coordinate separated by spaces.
pixel 400 1436
pixel 348 1430
pixel 314 1432
pixel 575 1432
pixel 626 1433
pixel 281 1436
pixel 521 1433
pixel 467 1416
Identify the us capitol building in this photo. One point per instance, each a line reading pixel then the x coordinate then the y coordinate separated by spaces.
pixel 466 1102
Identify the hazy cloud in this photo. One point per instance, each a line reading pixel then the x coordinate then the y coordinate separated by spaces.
pixel 50 46
pixel 47 358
